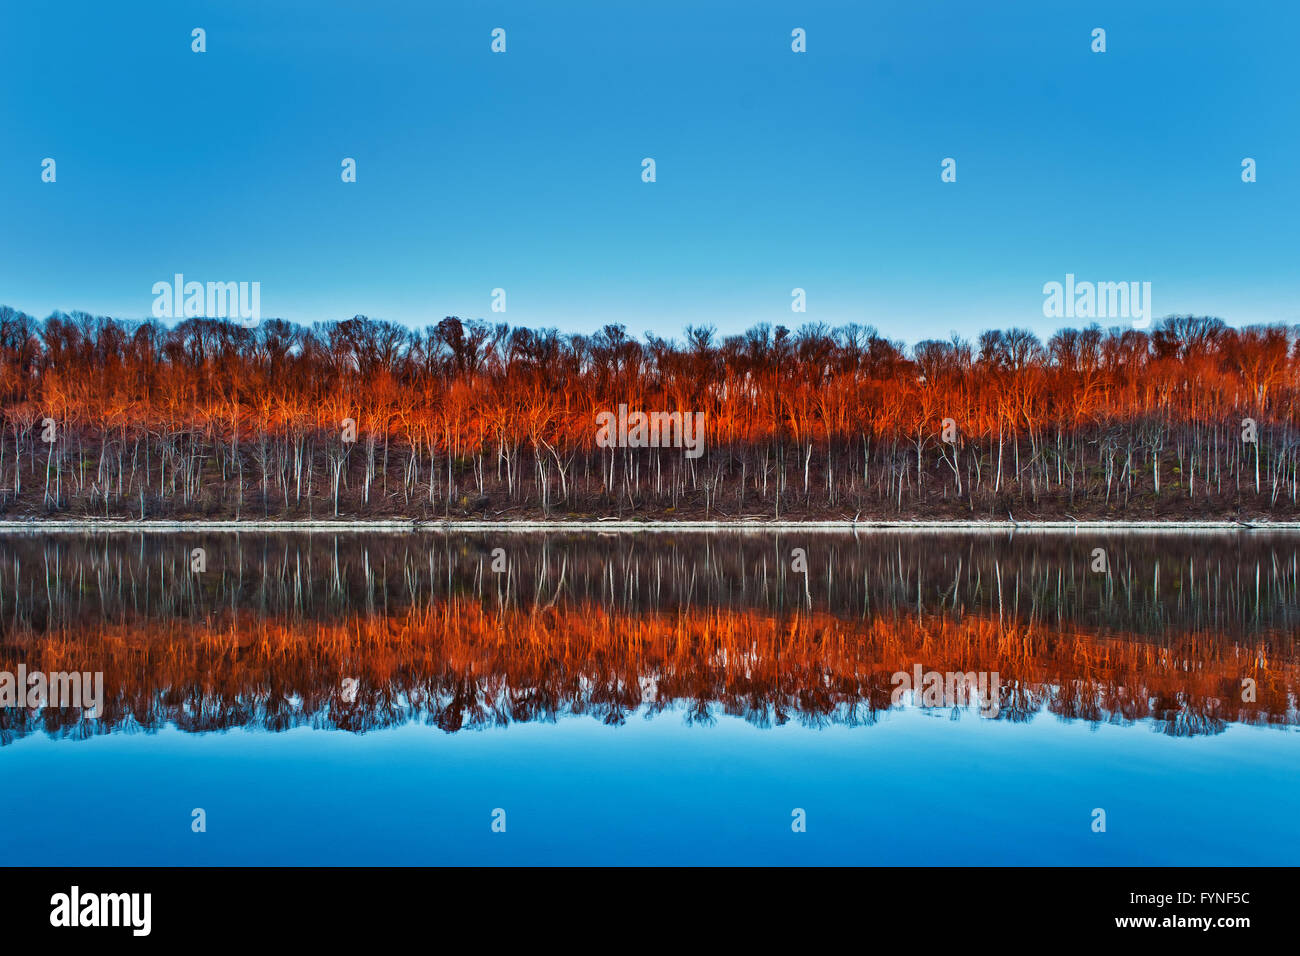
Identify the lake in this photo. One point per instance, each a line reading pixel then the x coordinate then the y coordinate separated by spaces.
pixel 426 698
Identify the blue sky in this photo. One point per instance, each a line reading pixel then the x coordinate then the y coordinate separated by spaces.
pixel 775 170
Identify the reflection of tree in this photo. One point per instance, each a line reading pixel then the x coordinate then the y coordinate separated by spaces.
pixel 461 664
pixel 609 627
pixel 1234 586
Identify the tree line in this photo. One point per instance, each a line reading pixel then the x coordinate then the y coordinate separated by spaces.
pixel 204 418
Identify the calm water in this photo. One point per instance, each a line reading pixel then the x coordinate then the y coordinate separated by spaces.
pixel 656 698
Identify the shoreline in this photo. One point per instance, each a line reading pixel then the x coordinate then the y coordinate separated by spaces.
pixel 614 525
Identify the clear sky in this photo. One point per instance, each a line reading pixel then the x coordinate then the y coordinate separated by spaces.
pixel 775 169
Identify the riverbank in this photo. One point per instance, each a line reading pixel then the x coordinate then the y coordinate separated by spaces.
pixel 759 526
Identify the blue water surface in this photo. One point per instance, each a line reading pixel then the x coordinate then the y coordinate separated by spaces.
pixel 917 788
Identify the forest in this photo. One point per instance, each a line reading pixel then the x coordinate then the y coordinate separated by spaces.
pixel 362 418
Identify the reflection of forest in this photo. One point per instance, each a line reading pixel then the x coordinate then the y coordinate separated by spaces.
pixel 276 630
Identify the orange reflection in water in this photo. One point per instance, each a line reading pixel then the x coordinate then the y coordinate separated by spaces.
pixel 462 663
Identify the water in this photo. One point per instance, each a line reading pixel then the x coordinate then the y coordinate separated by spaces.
pixel 341 699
